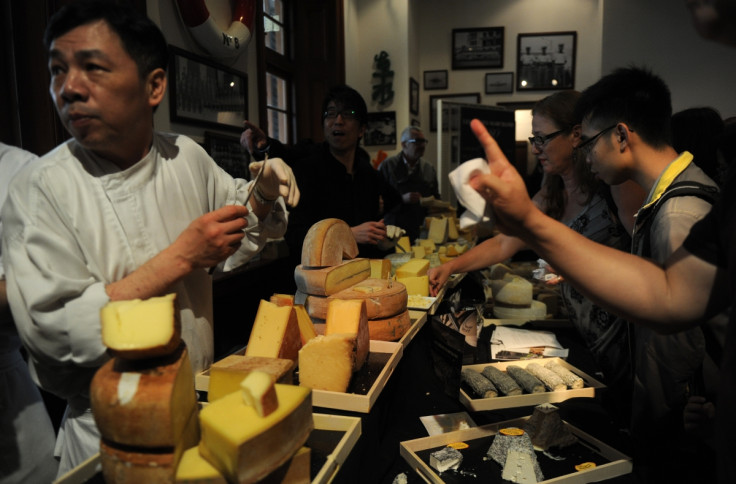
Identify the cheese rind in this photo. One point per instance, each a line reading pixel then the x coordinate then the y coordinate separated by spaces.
pixel 329 280
pixel 226 374
pixel 326 362
pixel 327 243
pixel 383 298
pixel 123 466
pixel 282 299
pixel 438 231
pixel 137 329
pixel 275 332
pixel 391 328
pixel 349 316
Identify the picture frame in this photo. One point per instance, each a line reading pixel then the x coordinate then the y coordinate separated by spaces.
pixel 206 93
pixel 465 98
pixel 381 129
pixel 499 83
pixel 546 61
pixel 228 153
pixel 477 48
pixel 435 80
pixel 413 96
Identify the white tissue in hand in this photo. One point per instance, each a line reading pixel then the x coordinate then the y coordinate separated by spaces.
pixel 474 203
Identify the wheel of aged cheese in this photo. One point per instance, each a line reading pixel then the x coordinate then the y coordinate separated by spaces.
pixel 512 291
pixel 389 329
pixel 383 299
pixel 327 243
pixel 125 466
pixel 330 280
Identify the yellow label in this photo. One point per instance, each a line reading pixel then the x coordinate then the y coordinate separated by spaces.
pixel 585 466
pixel 458 445
pixel 511 431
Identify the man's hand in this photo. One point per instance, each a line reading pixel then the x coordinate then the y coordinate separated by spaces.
pixel 277 180
pixel 369 232
pixel 411 197
pixel 437 278
pixel 213 237
pixel 253 137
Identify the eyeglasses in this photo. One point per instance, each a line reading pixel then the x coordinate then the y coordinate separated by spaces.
pixel 540 141
pixel 587 145
pixel 347 114
pixel 418 141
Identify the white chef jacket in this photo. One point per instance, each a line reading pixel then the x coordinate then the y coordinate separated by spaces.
pixel 75 222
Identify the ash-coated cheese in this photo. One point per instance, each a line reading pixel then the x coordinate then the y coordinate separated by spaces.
pixel 348 316
pixel 329 280
pixel 327 243
pixel 275 332
pixel 326 362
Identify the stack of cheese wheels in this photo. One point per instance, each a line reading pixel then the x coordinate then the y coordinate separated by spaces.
pixel 329 271
pixel 143 399
pixel 513 298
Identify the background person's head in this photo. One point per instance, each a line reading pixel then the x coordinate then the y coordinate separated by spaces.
pixel 699 130
pixel 413 143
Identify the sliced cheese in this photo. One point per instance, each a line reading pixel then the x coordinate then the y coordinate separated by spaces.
pixel 416 285
pixel 282 299
pixel 348 316
pixel 227 374
pixel 383 298
pixel 329 280
pixel 427 244
pixel 195 469
pixel 403 243
pixel 306 327
pixel 415 267
pixel 145 405
pixel 258 391
pixel 380 268
pixel 245 447
pixel 326 362
pixel 391 328
pixel 141 328
pixel 328 243
pixel 438 230
pixel 275 332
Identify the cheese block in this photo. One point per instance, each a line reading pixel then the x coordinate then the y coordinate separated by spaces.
pixel 418 251
pixel 329 280
pixel 391 328
pixel 438 230
pixel 403 243
pixel 245 447
pixel 416 285
pixel 282 299
pixel 348 316
pixel 144 405
pixel 275 332
pixel 427 244
pixel 296 471
pixel 326 362
pixel 124 466
pixel 383 298
pixel 452 232
pixel 380 268
pixel 512 291
pixel 328 243
pixel 195 469
pixel 258 391
pixel 226 374
pixel 306 327
pixel 415 267
pixel 141 328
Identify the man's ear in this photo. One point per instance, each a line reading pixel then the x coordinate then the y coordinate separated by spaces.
pixel 623 135
pixel 156 83
pixel 577 132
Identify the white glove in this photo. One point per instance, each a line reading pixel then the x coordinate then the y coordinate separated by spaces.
pixel 277 180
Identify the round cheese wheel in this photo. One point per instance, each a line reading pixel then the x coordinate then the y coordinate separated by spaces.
pixel 136 467
pixel 382 299
pixel 389 329
pixel 327 243
pixel 512 291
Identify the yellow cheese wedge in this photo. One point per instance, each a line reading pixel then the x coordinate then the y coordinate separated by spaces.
pixel 415 267
pixel 418 251
pixel 404 243
pixel 380 268
pixel 438 230
pixel 416 285
pixel 306 327
pixel 195 469
pixel 326 362
pixel 226 374
pixel 391 328
pixel 348 316
pixel 141 328
pixel 258 391
pixel 245 447
pixel 383 298
pixel 145 405
pixel 275 332
pixel 327 243
pixel 427 244
pixel 329 280
pixel 282 299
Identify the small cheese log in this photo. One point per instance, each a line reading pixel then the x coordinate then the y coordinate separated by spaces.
pixel 124 466
pixel 391 328
pixel 551 380
pixel 527 381
pixel 480 385
pixel 329 280
pixel 383 298
pixel 413 268
pixel 306 326
pixel 348 316
pixel 416 285
pixel 137 329
pixel 195 469
pixel 503 382
pixel 245 447
pixel 226 374
pixel 328 243
pixel 147 404
pixel 380 268
pixel 512 291
pixel 438 231
pixel 275 332
pixel 282 299
pixel 259 392
pixel 326 362
pixel 569 378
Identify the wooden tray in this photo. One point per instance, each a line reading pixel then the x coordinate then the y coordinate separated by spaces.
pixel 331 441
pixel 528 399
pixel 609 462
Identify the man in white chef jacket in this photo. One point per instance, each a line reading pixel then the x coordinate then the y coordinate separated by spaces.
pixel 120 211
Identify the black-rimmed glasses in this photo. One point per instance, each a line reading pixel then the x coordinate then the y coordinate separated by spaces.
pixel 587 145
pixel 540 141
pixel 332 113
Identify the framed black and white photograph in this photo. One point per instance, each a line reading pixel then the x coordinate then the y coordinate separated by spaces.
pixel 500 83
pixel 478 48
pixel 435 80
pixel 466 98
pixel 228 153
pixel 413 96
pixel 546 61
pixel 381 129
pixel 206 93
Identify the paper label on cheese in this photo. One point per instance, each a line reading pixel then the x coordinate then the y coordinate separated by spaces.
pixel 127 387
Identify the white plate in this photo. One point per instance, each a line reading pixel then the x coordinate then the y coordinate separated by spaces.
pixel 422 303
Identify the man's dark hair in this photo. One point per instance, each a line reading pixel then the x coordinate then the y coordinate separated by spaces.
pixel 141 38
pixel 634 96
pixel 347 98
